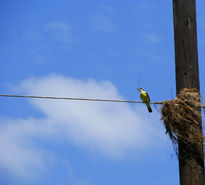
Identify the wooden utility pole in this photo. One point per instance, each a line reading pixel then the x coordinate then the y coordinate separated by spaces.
pixel 187 76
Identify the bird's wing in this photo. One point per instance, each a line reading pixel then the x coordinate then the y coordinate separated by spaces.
pixel 148 96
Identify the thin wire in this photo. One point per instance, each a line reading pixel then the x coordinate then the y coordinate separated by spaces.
pixel 80 99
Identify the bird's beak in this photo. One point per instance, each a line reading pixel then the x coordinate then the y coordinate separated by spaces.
pixel 138 89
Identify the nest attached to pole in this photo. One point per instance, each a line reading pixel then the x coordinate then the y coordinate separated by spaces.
pixel 182 119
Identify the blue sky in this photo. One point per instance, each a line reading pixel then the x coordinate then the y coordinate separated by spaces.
pixel 90 49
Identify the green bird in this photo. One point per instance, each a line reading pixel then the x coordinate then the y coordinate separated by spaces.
pixel 145 98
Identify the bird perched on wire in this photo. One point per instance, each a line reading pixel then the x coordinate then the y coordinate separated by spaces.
pixel 145 98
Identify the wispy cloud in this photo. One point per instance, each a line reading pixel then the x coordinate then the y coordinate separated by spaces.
pixel 58 26
pixel 103 23
pixel 109 129
pixel 37 56
pixel 33 36
pixel 75 179
pixel 107 9
pixel 59 31
pixel 144 7
pixel 150 37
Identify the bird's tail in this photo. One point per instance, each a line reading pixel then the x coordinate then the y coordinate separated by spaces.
pixel 149 107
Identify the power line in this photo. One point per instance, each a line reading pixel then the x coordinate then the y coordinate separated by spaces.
pixel 72 98
pixel 78 99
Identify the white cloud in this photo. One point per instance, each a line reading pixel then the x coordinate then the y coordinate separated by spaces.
pixel 114 130
pixel 17 154
pixel 103 23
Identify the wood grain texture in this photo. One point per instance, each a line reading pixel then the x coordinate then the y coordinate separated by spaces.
pixel 187 76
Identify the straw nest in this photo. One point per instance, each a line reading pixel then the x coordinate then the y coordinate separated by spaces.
pixel 182 120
